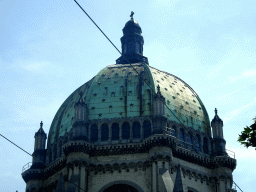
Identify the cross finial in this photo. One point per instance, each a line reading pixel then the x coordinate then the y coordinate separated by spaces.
pixel 41 124
pixel 215 111
pixel 132 15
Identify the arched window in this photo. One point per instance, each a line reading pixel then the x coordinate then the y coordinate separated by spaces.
pixel 197 141
pixel 205 145
pixel 173 131
pixel 94 133
pixel 136 130
pixel 104 132
pixel 189 141
pixel 181 138
pixel 147 129
pixel 115 131
pixel 126 131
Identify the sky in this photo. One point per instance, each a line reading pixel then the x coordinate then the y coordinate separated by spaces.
pixel 50 48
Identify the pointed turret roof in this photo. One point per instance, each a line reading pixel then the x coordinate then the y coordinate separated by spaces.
pixel 180 185
pixel 40 130
pixel 216 118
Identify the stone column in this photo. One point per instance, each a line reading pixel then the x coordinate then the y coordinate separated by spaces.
pixel 131 136
pixel 109 133
pixel 154 176
pixel 99 134
pixel 120 132
pixel 141 131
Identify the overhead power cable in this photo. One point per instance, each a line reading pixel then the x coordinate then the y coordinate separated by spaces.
pixel 148 84
pixel 39 160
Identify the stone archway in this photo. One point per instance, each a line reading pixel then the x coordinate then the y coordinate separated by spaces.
pixel 121 185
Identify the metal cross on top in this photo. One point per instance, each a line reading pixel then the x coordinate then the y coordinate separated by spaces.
pixel 132 15
pixel 215 111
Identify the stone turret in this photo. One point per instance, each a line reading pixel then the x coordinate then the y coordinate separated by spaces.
pixel 219 143
pixel 39 148
pixel 80 128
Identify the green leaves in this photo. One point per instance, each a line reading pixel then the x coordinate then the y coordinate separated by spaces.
pixel 248 136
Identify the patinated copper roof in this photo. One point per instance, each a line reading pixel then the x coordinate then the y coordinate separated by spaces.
pixel 104 96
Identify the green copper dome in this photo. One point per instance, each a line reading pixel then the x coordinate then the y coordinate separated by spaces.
pixel 118 91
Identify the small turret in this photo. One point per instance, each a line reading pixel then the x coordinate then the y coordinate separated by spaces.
pixel 39 148
pixel 219 143
pixel 80 128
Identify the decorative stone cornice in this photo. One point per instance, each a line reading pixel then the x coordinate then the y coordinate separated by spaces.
pixel 121 149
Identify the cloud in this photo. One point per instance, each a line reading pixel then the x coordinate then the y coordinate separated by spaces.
pixel 244 153
pixel 247 74
pixel 38 67
pixel 216 71
pixel 237 111
pixel 35 67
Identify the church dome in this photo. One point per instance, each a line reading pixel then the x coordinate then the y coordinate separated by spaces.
pixel 117 91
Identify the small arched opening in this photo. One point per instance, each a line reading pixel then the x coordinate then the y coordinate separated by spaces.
pixel 136 130
pixel 147 129
pixel 115 131
pixel 104 132
pixel 94 133
pixel 126 130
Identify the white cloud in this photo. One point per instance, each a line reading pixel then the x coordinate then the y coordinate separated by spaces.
pixel 39 67
pixel 216 71
pixel 237 111
pixel 35 67
pixel 247 74
pixel 244 153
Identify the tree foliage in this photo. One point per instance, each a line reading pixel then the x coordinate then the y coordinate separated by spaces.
pixel 248 136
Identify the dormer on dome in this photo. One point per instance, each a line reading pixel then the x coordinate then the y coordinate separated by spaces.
pixel 80 109
pixel 159 112
pixel 80 127
pixel 132 43
pixel 159 108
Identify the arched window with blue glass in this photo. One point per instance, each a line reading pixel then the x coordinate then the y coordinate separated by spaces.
pixel 94 133
pixel 173 131
pixel 197 145
pixel 126 130
pixel 115 131
pixel 136 130
pixel 104 132
pixel 181 137
pixel 205 145
pixel 147 129
pixel 189 141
